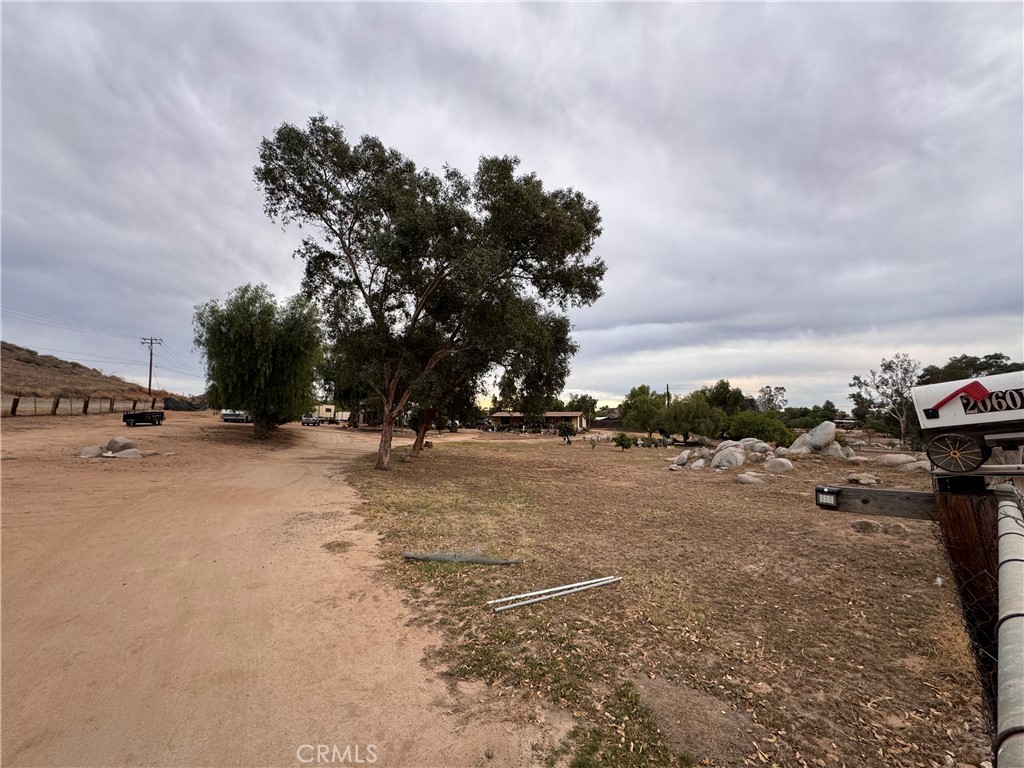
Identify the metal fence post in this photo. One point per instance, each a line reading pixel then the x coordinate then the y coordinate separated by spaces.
pixel 1009 742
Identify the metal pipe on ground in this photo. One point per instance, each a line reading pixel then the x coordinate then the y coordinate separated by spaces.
pixel 550 589
pixel 605 582
pixel 1009 742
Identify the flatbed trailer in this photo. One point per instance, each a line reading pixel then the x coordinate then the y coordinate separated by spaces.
pixel 133 418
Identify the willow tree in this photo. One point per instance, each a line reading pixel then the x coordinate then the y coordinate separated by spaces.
pixel 409 266
pixel 260 356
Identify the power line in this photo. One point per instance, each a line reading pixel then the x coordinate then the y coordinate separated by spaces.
pixel 52 322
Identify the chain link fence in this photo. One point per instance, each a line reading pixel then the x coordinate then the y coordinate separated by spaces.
pixel 967 530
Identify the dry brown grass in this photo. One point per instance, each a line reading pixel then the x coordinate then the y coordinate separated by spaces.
pixel 750 627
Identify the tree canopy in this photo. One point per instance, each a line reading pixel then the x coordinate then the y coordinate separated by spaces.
pixel 727 397
pixel 968 367
pixel 888 390
pixel 260 356
pixel 412 268
pixel 643 409
pixel 694 415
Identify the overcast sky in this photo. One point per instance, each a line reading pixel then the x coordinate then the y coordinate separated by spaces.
pixel 790 192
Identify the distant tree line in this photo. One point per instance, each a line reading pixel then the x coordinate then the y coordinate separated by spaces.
pixel 881 402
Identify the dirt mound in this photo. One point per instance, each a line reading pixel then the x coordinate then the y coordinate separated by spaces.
pixel 27 373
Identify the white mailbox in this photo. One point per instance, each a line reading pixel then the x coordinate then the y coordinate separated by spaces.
pixel 963 420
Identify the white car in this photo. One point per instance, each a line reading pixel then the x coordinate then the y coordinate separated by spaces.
pixel 238 417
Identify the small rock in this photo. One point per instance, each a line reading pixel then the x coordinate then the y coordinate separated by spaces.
pixel 780 452
pixel 894 460
pixel 866 526
pixel 92 452
pixel 699 464
pixel 674 467
pixel 682 458
pixel 778 466
pixel 129 453
pixel 862 479
pixel 748 479
pixel 118 444
pixel 726 444
pixel 428 444
pixel 895 529
pixel 917 466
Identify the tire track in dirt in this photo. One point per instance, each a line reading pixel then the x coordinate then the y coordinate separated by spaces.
pixel 182 610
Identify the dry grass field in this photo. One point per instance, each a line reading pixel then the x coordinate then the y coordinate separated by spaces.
pixel 750 627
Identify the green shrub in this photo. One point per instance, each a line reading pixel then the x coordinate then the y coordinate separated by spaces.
pixel 623 440
pixel 566 431
pixel 760 425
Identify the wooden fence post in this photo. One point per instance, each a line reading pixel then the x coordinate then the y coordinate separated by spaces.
pixel 153 406
pixel 53 408
pixel 111 406
pixel 968 520
pixel 14 405
pixel 85 406
pixel 134 404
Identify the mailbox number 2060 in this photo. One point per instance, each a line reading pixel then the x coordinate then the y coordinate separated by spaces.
pixel 1007 400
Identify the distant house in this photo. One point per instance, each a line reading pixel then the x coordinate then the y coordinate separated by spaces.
pixel 516 420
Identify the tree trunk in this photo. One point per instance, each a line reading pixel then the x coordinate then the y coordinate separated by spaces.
pixel 426 419
pixel 261 427
pixel 386 434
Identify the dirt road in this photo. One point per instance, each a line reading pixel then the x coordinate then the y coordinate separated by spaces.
pixel 183 610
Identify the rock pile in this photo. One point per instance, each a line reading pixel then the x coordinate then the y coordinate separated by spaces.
pixel 730 454
pixel 820 441
pixel 116 448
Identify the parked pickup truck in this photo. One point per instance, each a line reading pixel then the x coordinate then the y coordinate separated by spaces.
pixel 310 420
pixel 238 417
pixel 131 418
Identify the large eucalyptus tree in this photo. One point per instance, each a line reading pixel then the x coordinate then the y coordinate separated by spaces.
pixel 411 268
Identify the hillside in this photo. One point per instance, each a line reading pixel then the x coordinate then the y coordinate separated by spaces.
pixel 27 373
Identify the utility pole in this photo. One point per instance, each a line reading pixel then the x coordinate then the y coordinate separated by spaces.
pixel 151 342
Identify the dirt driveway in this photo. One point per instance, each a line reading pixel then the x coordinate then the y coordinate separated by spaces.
pixel 183 610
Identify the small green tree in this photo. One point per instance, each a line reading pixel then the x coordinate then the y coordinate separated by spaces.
pixel 693 414
pixel 763 426
pixel 888 390
pixel 771 399
pixel 624 441
pixel 567 432
pixel 260 356
pixel 643 410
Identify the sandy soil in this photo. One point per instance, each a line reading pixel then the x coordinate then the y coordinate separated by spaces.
pixel 183 610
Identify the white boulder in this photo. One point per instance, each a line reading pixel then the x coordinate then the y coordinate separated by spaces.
pixel 778 466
